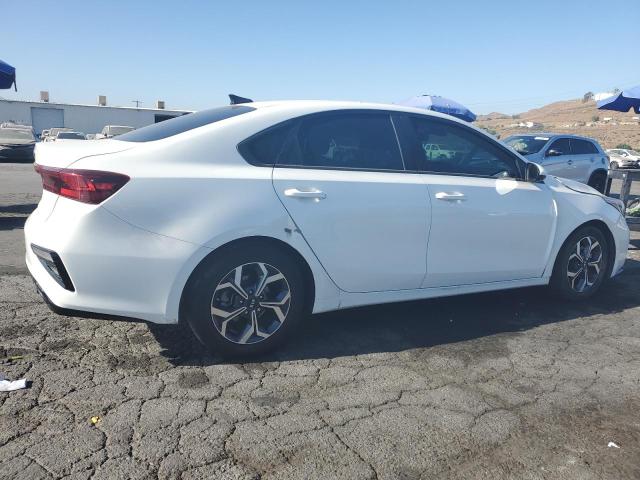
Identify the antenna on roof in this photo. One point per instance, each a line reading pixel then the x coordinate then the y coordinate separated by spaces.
pixel 235 99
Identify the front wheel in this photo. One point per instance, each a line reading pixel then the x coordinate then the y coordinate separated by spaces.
pixel 598 181
pixel 246 300
pixel 582 264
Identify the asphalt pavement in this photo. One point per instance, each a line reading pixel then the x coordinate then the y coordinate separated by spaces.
pixel 510 384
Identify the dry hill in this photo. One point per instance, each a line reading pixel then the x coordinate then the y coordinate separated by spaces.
pixel 571 116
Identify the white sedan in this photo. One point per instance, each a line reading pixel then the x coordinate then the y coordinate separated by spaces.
pixel 243 219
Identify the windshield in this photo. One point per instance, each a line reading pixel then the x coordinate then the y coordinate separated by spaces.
pixel 113 130
pixel 527 144
pixel 71 136
pixel 15 134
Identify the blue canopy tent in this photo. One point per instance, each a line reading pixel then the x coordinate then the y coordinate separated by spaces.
pixel 7 76
pixel 440 104
pixel 623 101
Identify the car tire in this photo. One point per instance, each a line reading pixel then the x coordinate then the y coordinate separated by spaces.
pixel 598 180
pixel 272 310
pixel 586 246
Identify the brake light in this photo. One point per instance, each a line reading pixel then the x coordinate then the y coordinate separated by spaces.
pixel 87 186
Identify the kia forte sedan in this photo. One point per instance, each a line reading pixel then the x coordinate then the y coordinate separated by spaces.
pixel 241 220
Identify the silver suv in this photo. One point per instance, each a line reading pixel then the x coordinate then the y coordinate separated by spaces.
pixel 568 156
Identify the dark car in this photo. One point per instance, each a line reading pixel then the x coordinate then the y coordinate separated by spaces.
pixel 16 144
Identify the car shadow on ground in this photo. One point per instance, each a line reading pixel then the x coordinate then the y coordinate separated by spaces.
pixel 403 326
pixel 13 217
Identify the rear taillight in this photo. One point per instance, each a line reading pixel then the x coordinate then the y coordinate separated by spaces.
pixel 87 186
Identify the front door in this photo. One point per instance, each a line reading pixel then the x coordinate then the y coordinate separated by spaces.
pixel 344 185
pixel 560 161
pixel 487 225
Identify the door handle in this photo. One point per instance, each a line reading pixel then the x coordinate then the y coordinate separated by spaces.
pixel 451 196
pixel 294 192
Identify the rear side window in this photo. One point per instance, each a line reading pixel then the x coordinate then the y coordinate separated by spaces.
pixel 582 147
pixel 561 145
pixel 184 123
pixel 336 140
pixel 347 140
pixel 269 147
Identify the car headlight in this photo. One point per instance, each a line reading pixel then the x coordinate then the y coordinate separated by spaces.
pixel 615 203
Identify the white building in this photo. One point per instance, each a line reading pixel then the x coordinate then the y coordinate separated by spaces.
pixel 82 118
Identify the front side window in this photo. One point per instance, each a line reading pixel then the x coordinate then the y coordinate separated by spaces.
pixel 460 151
pixel 560 146
pixel 582 147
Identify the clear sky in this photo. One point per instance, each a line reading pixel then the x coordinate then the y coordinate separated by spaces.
pixel 498 55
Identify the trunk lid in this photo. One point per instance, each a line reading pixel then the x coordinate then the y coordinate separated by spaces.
pixel 64 154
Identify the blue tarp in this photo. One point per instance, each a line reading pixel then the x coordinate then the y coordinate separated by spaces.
pixel 440 104
pixel 623 101
pixel 7 76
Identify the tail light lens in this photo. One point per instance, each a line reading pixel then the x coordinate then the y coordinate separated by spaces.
pixel 87 186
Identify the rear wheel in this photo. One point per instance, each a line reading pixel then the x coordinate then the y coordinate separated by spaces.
pixel 245 300
pixel 582 264
pixel 598 181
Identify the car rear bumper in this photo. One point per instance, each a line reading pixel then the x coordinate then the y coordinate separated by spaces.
pixel 115 269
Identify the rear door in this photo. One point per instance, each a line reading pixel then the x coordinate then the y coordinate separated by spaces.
pixel 343 182
pixel 586 159
pixel 488 225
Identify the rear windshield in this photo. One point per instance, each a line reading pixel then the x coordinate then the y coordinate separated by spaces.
pixel 177 125
pixel 115 130
pixel 71 136
pixel 526 145
pixel 16 134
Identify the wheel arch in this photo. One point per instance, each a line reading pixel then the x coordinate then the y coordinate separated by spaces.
pixel 611 243
pixel 305 268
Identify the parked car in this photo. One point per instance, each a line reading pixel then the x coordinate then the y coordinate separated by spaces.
pixel 53 133
pixel 434 151
pixel 567 156
pixel 16 143
pixel 110 131
pixel 623 158
pixel 70 136
pixel 242 219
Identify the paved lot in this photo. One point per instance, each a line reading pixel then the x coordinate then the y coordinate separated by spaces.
pixel 504 385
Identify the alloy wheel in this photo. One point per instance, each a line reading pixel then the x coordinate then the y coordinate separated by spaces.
pixel 250 303
pixel 584 266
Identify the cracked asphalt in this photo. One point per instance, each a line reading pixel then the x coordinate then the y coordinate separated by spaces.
pixel 503 385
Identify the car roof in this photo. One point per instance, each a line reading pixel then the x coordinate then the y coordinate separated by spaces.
pixel 302 107
pixel 552 136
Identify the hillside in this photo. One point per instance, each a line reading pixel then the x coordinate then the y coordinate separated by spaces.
pixel 571 116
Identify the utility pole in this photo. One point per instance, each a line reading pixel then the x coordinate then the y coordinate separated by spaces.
pixel 137 102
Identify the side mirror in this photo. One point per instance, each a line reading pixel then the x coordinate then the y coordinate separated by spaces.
pixel 534 173
pixel 553 153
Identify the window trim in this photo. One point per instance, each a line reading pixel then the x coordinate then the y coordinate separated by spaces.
pixel 299 119
pixel 519 163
